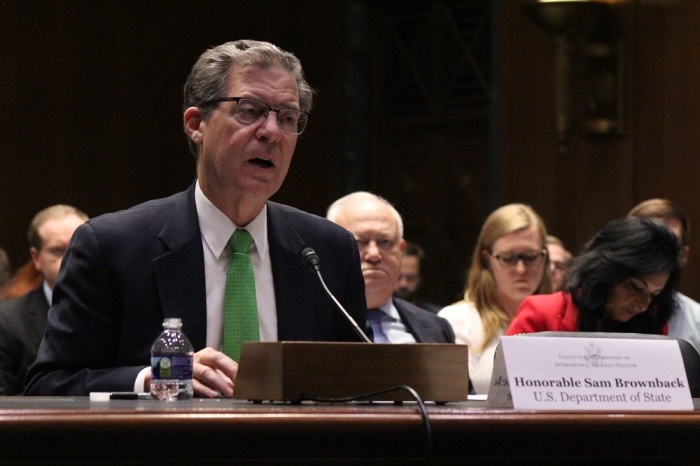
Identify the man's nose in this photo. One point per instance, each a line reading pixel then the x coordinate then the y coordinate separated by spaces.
pixel 270 126
pixel 372 249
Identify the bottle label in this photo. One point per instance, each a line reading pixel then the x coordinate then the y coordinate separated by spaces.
pixel 171 366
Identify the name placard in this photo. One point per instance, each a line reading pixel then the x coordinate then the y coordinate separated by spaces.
pixel 563 373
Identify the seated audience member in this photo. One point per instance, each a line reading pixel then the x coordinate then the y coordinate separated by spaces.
pixel 410 277
pixel 508 264
pixel 623 281
pixel 378 229
pixel 5 271
pixel 685 319
pixel 24 280
pixel 245 104
pixel 559 259
pixel 23 319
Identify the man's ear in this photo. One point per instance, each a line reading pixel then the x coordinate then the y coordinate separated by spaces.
pixel 194 124
pixel 34 253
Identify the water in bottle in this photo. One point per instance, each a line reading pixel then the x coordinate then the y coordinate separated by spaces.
pixel 171 363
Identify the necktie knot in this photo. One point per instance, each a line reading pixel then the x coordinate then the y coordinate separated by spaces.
pixel 374 315
pixel 240 242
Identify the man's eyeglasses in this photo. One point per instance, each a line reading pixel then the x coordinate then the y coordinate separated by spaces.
pixel 530 258
pixel 251 111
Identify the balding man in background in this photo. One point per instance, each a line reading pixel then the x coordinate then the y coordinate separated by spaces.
pixel 378 229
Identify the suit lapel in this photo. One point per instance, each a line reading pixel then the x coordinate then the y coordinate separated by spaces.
pixel 413 322
pixel 179 273
pixel 39 308
pixel 295 305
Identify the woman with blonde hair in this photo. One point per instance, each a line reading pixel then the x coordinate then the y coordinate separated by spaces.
pixel 509 263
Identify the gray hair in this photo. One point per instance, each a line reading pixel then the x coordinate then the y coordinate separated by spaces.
pixel 209 75
pixel 332 213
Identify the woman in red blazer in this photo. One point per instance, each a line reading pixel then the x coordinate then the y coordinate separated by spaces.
pixel 622 281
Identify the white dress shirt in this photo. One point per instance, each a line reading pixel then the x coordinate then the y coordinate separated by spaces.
pixel 394 329
pixel 216 230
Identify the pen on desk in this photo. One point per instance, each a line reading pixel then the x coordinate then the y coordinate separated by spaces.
pixel 129 396
pixel 106 396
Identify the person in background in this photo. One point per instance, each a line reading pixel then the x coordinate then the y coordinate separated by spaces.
pixel 685 319
pixel 559 259
pixel 623 281
pixel 245 104
pixel 5 271
pixel 23 319
pixel 378 230
pixel 24 280
pixel 410 277
pixel 509 263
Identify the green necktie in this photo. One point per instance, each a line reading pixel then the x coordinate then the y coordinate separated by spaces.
pixel 240 307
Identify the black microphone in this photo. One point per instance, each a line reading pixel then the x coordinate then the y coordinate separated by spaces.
pixel 313 262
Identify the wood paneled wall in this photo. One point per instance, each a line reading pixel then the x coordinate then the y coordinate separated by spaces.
pixel 92 94
pixel 91 116
pixel 596 180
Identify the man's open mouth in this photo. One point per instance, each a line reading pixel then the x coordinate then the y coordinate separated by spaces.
pixel 263 163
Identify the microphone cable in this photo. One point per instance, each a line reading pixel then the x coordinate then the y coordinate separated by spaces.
pixel 419 401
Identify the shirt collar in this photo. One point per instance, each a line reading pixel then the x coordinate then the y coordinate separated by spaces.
pixel 217 228
pixel 48 292
pixel 390 310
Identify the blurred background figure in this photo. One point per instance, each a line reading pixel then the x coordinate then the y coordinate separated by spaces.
pixel 559 259
pixel 5 270
pixel 509 263
pixel 23 319
pixel 623 281
pixel 24 280
pixel 410 277
pixel 685 320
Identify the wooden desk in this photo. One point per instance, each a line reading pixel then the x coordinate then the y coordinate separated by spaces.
pixel 74 430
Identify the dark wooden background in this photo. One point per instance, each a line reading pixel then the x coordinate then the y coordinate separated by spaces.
pixel 443 107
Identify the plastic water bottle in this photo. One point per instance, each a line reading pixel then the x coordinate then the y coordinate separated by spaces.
pixel 171 363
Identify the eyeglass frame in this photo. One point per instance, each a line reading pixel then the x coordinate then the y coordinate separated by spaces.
pixel 304 116
pixel 536 261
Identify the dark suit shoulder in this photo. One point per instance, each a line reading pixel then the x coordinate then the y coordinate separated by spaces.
pixel 150 214
pixel 425 326
pixel 14 309
pixel 304 221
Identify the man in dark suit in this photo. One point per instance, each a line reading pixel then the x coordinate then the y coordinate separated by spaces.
pixel 378 230
pixel 23 319
pixel 245 105
pixel 410 277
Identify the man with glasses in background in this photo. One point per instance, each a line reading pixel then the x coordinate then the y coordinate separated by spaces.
pixel 378 230
pixel 245 105
pixel 23 319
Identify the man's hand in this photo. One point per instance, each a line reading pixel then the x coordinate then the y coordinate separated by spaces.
pixel 214 374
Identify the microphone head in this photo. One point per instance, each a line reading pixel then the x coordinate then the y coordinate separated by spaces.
pixel 310 258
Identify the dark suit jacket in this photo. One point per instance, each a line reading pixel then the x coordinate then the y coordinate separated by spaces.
pixel 124 272
pixel 22 324
pixel 425 326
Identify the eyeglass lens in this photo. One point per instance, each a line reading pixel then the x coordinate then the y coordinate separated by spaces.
pixel 250 111
pixel 530 259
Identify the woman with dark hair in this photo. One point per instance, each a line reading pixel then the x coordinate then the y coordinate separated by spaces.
pixel 622 281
